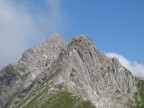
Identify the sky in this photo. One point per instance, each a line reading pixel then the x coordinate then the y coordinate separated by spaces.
pixel 116 27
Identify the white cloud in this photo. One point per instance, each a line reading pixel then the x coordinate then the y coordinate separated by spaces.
pixel 53 19
pixel 136 68
pixel 18 27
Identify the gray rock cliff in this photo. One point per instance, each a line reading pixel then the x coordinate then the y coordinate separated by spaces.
pixel 79 68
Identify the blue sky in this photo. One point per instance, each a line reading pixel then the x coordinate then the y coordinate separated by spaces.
pixel 115 26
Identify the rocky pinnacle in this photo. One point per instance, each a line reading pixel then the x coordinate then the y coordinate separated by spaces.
pixel 79 68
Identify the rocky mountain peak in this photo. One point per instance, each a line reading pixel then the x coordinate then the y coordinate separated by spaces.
pixel 78 73
pixel 80 40
pixel 81 44
pixel 55 37
pixel 50 47
pixel 41 57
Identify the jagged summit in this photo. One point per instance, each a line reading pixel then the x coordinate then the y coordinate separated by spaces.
pixel 55 74
pixel 55 37
pixel 81 38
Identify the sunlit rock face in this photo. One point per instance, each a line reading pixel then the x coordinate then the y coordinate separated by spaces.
pixel 77 71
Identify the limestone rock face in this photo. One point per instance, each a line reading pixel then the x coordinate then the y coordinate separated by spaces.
pixel 78 68
pixel 32 63
pixel 92 75
pixel 42 56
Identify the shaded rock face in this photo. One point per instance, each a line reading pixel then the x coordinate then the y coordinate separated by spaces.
pixel 78 68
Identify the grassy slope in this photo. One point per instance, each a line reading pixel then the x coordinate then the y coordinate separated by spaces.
pixel 140 94
pixel 59 99
pixel 66 100
pixel 63 99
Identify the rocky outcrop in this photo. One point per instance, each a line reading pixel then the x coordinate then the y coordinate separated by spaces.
pixel 78 71
pixel 93 76
pixel 19 76
pixel 42 56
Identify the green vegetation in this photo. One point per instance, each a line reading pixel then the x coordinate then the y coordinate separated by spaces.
pixel 24 77
pixel 52 75
pixel 43 99
pixel 62 99
pixel 28 88
pixel 127 72
pixel 86 104
pixel 11 70
pixel 65 99
pixel 140 95
pixel 33 98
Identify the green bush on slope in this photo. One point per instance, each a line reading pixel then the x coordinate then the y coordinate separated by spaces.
pixel 140 99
